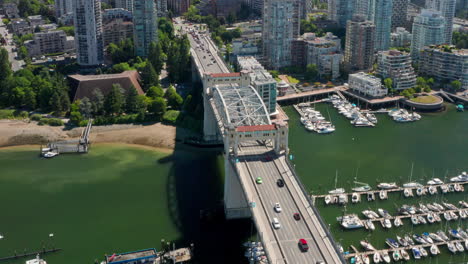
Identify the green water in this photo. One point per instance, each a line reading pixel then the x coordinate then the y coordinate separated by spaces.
pixel 117 198
pixel 437 145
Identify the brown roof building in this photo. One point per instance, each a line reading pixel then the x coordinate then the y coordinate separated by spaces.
pixel 85 85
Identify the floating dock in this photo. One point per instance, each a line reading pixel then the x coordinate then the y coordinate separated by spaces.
pixel 80 145
pixel 29 254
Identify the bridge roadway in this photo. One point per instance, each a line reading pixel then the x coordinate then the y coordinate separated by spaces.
pixel 281 245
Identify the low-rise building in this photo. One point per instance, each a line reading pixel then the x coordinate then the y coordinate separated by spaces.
pixel 366 84
pixel 87 85
pixel 117 30
pixel 116 13
pixel 20 27
pixel 244 47
pixel 325 52
pixel 11 10
pixel 400 38
pixel 445 63
pixel 48 27
pixel 261 80
pixel 396 65
pixel 35 21
pixel 49 42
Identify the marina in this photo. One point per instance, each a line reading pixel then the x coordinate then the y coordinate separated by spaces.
pixel 352 111
pixel 313 120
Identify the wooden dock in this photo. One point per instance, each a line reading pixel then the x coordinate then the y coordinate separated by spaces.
pixel 419 214
pixel 399 189
pixel 180 255
pixel 80 145
pixel 390 250
pixel 42 252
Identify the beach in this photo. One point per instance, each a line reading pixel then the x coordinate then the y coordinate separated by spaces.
pixel 18 132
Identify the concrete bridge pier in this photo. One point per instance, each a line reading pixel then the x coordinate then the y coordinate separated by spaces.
pixel 210 123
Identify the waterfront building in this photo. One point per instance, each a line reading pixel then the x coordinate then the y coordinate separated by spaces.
pixel 63 7
pixel 116 13
pixel 88 32
pixel 86 85
pixel 178 7
pixel 359 46
pixel 399 14
pixel 400 38
pixel 145 24
pixel 447 10
pixel 396 65
pixel 428 29
pixel 49 42
pixel 366 84
pixel 445 63
pixel 261 80
pixel 341 11
pixel 381 14
pixel 117 30
pixel 124 4
pixel 281 25
pixel 35 21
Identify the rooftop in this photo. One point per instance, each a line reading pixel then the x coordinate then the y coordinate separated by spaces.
pixel 222 75
pixel 255 128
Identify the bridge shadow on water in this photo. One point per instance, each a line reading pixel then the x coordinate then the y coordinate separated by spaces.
pixel 195 201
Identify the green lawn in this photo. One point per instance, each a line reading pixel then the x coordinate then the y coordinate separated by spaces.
pixel 427 99
pixel 292 80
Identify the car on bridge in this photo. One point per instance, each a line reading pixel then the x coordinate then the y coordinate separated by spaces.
pixel 280 183
pixel 276 224
pixel 259 180
pixel 277 208
pixel 303 245
pixel 297 216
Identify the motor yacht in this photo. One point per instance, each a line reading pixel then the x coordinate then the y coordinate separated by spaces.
pixel 337 191
pixel 416 253
pixel 367 245
pixel 404 255
pixel 463 177
pixel 387 186
pixel 435 181
pixel 412 185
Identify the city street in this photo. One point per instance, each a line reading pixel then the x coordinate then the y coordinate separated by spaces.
pixel 15 64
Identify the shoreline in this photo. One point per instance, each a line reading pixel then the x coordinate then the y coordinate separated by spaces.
pixel 156 136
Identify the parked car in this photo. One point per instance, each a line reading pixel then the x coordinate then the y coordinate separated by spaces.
pixel 303 245
pixel 297 216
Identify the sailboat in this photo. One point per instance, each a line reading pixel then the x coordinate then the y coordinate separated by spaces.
pixel 337 190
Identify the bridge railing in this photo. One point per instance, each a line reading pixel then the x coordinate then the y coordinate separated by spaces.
pixel 325 227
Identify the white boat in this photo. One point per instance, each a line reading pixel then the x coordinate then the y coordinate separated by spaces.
pixel 442 235
pixel 404 255
pixel 420 191
pixel 377 258
pixel 412 185
pixel 386 223
pixel 450 206
pixel 342 199
pixel 422 220
pixel 350 221
pixel 466 244
pixel 37 260
pixel 436 237
pixel 370 196
pixel 386 186
pixel 463 177
pixel 416 253
pixel 463 204
pixel 402 241
pixel 364 188
pixel 386 257
pixel 432 190
pixel 367 245
pixel 370 214
pixel 430 218
pixel 414 220
pixel 365 259
pixel 325 129
pixel 423 252
pixel 383 195
pixel 337 191
pixel 397 222
pixel 441 208
pixel 396 255
pixel 408 193
pixel 451 247
pixel 434 250
pixel 435 181
pixel 49 154
pixel 383 213
pixel 355 198
pixel 328 199
pixel 371 117
pixel 459 246
pixel 409 240
pixel 462 214
pixel 370 224
pixel 444 188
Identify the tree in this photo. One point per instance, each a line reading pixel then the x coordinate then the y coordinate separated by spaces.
pixel 98 102
pixel 156 56
pixel 311 72
pixel 131 102
pixel 231 18
pixel 174 100
pixel 149 77
pixel 54 102
pixel 187 107
pixel 456 85
pixel 5 66
pixel 388 83
pixel 158 106
pixel 114 102
pixel 85 107
pixel 121 67
pixel 154 92
pixel 122 51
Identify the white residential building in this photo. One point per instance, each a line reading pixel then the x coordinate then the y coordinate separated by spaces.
pixel 428 29
pixel 447 10
pixel 396 65
pixel 325 52
pixel 88 32
pixel 145 26
pixel 261 80
pixel 49 42
pixel 400 38
pixel 366 84
pixel 63 7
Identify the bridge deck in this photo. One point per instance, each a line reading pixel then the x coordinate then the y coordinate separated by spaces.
pixel 282 244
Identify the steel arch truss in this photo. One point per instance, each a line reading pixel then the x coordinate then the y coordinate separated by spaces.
pixel 240 106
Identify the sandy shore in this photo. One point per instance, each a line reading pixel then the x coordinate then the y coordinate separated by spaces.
pixel 17 132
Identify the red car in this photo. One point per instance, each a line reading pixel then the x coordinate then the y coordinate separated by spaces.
pixel 303 245
pixel 297 216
